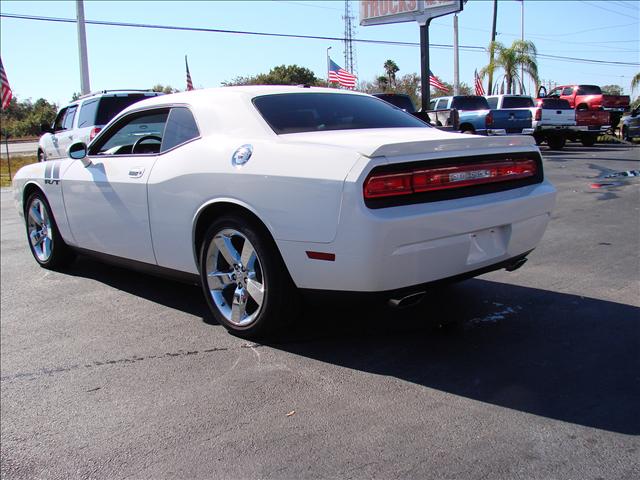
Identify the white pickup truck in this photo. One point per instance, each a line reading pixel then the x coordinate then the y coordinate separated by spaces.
pixel 553 119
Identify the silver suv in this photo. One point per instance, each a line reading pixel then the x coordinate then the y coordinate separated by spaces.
pixel 81 120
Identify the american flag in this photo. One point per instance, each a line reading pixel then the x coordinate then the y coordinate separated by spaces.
pixel 189 82
pixel 478 82
pixel 6 89
pixel 436 83
pixel 341 76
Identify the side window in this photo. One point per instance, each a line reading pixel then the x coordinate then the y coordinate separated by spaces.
pixel 57 125
pixel 493 102
pixel 67 124
pixel 181 127
pixel 554 93
pixel 87 116
pixel 441 104
pixel 432 105
pixel 137 133
pixel 567 91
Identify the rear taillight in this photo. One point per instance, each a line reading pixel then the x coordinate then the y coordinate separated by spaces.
pixel 538 114
pixel 447 177
pixel 488 120
pixel 94 132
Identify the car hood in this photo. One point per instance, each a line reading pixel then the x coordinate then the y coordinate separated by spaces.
pixel 405 141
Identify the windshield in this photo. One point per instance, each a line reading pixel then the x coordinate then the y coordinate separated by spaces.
pixel 312 112
pixel 111 106
pixel 470 103
pixel 556 104
pixel 517 102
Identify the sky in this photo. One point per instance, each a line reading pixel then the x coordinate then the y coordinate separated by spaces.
pixel 41 58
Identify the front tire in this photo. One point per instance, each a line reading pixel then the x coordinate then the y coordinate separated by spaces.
pixel 245 283
pixel 45 242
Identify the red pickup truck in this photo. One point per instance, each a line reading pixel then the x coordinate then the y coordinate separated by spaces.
pixel 590 97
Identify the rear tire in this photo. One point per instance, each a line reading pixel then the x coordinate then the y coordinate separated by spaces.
pixel 245 282
pixel 625 134
pixel 556 142
pixel 45 242
pixel 588 141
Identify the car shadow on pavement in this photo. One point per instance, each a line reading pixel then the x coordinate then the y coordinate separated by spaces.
pixel 556 355
pixel 168 292
pixel 551 354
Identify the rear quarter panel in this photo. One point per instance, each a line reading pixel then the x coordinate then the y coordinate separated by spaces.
pixel 296 191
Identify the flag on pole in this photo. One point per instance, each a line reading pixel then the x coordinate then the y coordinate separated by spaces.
pixel 478 83
pixel 6 89
pixel 341 76
pixel 436 83
pixel 189 82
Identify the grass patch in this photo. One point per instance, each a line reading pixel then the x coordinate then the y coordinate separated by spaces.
pixel 16 163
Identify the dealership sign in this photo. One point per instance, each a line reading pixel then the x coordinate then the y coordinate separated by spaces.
pixel 378 12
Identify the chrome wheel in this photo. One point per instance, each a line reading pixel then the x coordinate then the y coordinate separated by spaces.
pixel 40 230
pixel 234 277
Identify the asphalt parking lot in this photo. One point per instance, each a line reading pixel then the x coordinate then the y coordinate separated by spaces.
pixel 108 373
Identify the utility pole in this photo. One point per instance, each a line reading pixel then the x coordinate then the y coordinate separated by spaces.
pixel 522 38
pixel 493 39
pixel 82 49
pixel 456 63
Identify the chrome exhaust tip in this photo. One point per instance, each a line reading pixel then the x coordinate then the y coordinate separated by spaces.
pixel 407 301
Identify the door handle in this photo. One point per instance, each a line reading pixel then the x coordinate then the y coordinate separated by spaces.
pixel 136 172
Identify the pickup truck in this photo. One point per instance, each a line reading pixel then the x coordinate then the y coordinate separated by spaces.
pixel 590 124
pixel 446 121
pixel 475 116
pixel 590 97
pixel 553 119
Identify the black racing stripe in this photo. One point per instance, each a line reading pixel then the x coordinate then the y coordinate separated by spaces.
pixel 56 171
pixel 47 171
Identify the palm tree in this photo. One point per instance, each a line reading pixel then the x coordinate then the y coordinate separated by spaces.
pixel 521 55
pixel 635 81
pixel 391 68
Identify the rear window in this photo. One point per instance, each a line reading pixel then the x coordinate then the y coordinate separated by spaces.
pixel 517 102
pixel 109 107
pixel 312 112
pixel 555 104
pixel 589 90
pixel 470 103
pixel 399 101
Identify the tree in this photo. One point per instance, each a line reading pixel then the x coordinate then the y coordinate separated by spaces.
pixel 612 90
pixel 382 83
pixel 520 55
pixel 391 68
pixel 281 75
pixel 23 118
pixel 164 88
pixel 635 81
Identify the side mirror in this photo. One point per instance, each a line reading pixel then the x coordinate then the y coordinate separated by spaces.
pixel 46 128
pixel 78 151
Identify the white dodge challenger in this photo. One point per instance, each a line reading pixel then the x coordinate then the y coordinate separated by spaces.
pixel 260 193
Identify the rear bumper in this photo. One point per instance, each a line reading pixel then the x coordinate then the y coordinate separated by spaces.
pixel 592 129
pixel 401 247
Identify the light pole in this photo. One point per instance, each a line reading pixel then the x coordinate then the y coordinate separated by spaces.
pixel 328 65
pixel 82 49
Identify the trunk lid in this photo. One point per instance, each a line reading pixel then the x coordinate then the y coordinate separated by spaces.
pixel 392 142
